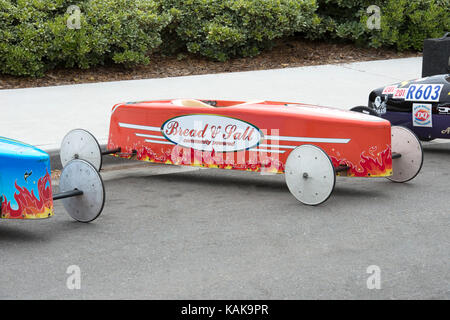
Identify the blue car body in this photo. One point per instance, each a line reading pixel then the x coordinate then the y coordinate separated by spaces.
pixel 25 183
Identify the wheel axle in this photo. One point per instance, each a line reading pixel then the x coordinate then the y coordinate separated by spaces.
pixel 341 168
pixel 68 194
pixel 112 151
pixel 396 155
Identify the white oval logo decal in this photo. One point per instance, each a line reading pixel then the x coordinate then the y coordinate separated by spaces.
pixel 211 132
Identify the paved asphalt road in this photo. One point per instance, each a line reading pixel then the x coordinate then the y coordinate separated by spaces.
pixel 222 234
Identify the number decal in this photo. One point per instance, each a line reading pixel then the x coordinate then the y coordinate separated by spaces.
pixel 409 95
pixel 419 93
pixel 389 89
pixel 427 92
pixel 437 93
pixel 424 92
pixel 400 93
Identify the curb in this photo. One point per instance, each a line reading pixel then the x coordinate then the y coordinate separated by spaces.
pixel 55 160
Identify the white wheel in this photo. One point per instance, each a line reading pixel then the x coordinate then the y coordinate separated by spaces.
pixel 80 144
pixel 405 143
pixel 81 175
pixel 310 174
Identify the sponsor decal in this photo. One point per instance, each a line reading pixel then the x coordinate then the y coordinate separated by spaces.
pixel 400 93
pixel 422 116
pixel 211 132
pixel 446 131
pixel 379 106
pixel 424 92
pixel 389 89
pixel 443 110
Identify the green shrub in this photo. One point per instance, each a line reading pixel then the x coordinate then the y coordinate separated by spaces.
pixel 220 29
pixel 34 35
pixel 405 24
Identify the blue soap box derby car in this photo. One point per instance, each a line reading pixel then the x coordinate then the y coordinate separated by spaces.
pixel 26 186
pixel 422 105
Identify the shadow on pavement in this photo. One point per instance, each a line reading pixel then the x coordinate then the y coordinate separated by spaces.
pixel 18 233
pixel 219 177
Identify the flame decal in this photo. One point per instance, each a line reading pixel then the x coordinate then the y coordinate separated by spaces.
pixel 372 164
pixel 178 155
pixel 30 206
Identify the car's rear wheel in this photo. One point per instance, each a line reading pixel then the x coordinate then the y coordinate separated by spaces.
pixel 407 154
pixel 81 144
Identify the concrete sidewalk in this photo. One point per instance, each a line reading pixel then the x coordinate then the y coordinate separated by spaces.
pixel 42 116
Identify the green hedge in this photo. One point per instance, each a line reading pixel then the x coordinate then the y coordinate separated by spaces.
pixel 227 28
pixel 404 23
pixel 34 36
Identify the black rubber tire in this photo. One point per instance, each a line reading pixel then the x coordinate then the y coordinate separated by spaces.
pixel 426 139
pixel 365 110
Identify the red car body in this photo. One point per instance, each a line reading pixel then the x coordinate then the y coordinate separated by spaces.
pixel 253 136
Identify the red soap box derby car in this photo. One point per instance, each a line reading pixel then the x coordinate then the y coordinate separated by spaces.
pixel 309 144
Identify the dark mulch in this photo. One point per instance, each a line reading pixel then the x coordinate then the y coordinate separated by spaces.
pixel 286 54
